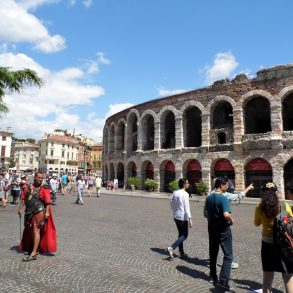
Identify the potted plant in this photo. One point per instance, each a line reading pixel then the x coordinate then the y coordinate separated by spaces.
pixel 173 185
pixel 133 182
pixel 202 188
pixel 151 184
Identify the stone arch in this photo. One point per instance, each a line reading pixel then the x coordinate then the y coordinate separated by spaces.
pixel 148 130
pixel 257 171
pixel 168 127
pixel 105 139
pixel 197 104
pixel 120 174
pixel 192 170
pixel 132 130
pixel 251 94
pixel 132 168
pixel 221 120
pixel 257 115
pixel 112 171
pixel 168 108
pixel 288 173
pixel 132 111
pixel 120 134
pixel 111 138
pixel 286 96
pixel 192 125
pixel 218 99
pixel 147 171
pixel 167 174
pixel 223 167
pixel 149 112
pixel 106 173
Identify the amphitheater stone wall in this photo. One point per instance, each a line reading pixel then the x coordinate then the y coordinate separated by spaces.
pixel 244 125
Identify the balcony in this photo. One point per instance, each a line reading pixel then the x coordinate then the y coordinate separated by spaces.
pixel 257 141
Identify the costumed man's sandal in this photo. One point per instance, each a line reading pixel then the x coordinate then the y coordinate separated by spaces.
pixel 30 257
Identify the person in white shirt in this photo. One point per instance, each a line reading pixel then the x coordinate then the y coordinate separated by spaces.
pixel 53 188
pixel 182 217
pixel 80 187
pixel 98 185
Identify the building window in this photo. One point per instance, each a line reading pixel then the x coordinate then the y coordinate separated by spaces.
pixel 3 138
pixel 3 148
pixel 52 153
pixel 63 154
pixel 52 144
pixel 63 145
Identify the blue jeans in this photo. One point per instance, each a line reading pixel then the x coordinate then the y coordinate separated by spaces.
pixel 182 227
pixel 223 239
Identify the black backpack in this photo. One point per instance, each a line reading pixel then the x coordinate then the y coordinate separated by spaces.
pixel 283 234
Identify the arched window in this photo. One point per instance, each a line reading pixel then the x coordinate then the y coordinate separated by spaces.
pixel 168 130
pixel 120 175
pixel 193 175
pixel 257 116
pixel 120 136
pixel 192 127
pixel 148 132
pixel 222 116
pixel 167 174
pixel 258 171
pixel 132 132
pixel 287 110
pixel 223 167
pixel 112 172
pixel 111 139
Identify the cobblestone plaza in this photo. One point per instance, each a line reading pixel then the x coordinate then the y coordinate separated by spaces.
pixel 116 244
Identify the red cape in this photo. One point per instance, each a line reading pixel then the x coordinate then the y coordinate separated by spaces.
pixel 48 242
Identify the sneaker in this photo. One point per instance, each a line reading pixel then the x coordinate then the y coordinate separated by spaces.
pixel 224 285
pixel 234 265
pixel 170 252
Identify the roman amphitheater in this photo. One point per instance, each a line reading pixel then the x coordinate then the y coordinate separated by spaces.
pixel 240 128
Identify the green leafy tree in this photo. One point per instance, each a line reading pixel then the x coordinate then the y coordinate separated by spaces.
pixel 15 81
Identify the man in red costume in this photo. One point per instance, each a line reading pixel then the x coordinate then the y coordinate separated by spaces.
pixel 39 233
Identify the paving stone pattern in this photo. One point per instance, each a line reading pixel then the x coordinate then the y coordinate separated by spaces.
pixel 116 244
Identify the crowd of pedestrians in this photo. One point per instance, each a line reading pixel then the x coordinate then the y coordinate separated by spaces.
pixel 35 194
pixel 217 210
pixel 38 192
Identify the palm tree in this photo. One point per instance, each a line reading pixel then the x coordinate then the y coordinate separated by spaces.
pixel 14 81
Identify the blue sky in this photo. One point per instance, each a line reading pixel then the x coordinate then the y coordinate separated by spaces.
pixel 98 57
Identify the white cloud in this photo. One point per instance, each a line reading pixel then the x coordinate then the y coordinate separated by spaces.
pixel 223 66
pixel 113 109
pixel 102 59
pixel 17 25
pixel 32 4
pixel 87 3
pixel 36 111
pixel 162 92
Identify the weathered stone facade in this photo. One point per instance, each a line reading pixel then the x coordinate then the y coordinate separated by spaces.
pixel 242 128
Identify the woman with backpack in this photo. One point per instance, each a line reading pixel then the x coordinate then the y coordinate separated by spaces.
pixel 265 214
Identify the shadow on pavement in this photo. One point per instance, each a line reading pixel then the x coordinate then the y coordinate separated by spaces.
pixel 197 261
pixel 16 249
pixel 192 273
pixel 159 250
pixel 250 286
